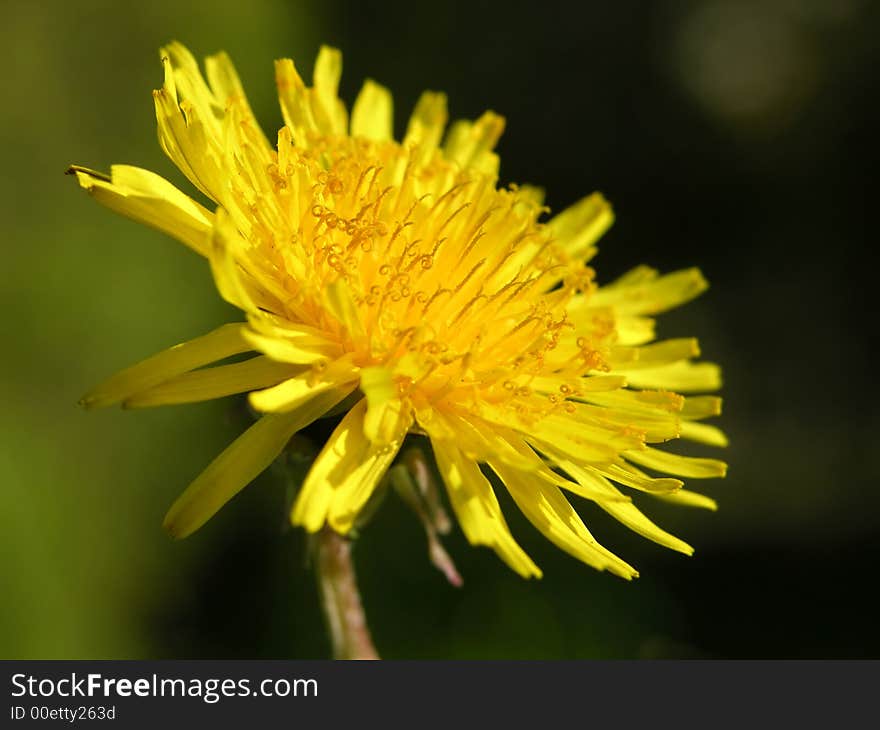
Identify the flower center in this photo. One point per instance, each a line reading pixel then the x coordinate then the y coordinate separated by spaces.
pixel 434 274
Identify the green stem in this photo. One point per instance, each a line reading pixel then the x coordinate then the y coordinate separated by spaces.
pixel 343 610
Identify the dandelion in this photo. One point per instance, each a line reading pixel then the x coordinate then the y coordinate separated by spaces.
pixel 397 284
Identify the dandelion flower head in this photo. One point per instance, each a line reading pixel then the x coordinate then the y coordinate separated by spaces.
pixel 397 283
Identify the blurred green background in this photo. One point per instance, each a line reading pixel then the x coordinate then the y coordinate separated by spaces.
pixel 736 135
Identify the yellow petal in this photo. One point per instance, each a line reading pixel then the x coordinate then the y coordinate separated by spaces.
pixel 385 409
pixel 427 123
pixel 343 476
pixel 659 354
pixel 548 510
pixel 382 423
pixel 223 78
pixel 630 476
pixel 654 427
pixel 582 441
pixel 685 466
pixel 468 142
pixel 532 196
pixel 289 341
pixel 539 468
pixel 638 401
pixel 329 110
pixel 477 508
pixel 227 249
pixel 577 228
pixel 370 460
pixel 294 99
pixel 217 345
pixel 703 433
pixel 600 383
pixel 378 385
pixel 701 406
pixel 646 293
pixel 277 326
pixel 635 330
pixel 340 303
pixel 208 108
pixel 240 463
pixel 228 91
pixel 317 110
pixel 189 84
pixel 148 198
pixel 216 382
pixel 294 392
pixel 291 349
pixel 372 113
pixel 480 441
pixel 188 142
pixel 682 377
pixel 686 498
pixel 627 513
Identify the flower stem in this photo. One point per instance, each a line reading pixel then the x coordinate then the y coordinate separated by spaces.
pixel 343 610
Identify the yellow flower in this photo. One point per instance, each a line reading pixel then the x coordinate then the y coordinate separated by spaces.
pixel 397 283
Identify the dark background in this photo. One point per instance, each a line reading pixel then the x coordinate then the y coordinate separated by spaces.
pixel 737 136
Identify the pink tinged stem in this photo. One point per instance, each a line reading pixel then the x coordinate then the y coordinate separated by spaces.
pixel 413 482
pixel 343 610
